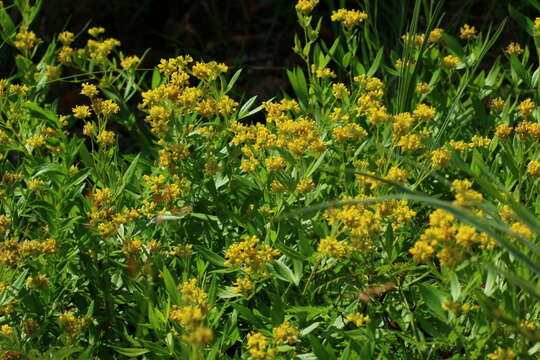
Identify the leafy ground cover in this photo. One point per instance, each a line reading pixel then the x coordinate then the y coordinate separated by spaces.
pixel 385 209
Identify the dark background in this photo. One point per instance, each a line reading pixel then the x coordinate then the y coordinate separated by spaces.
pixel 256 35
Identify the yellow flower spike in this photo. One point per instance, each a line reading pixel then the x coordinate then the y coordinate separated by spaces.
pixel 39 282
pixel 521 229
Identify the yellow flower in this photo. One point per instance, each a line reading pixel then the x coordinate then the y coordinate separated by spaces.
pixel 66 38
pixel 6 330
pixel 25 40
pixel 349 18
pixel 534 168
pixel 243 286
pixel 323 72
pixel 35 184
pixel 35 141
pixel 96 31
pixel 331 247
pixel 200 335
pixel 358 319
pixel 89 90
pixel 306 6
pixel 424 112
pixel 526 107
pixel 496 104
pixel 340 91
pixel 450 62
pixel 81 111
pixel 107 107
pixel 514 48
pixel 502 354
pixel 257 345
pixel 440 158
pixel 409 143
pixel 305 185
pixel 285 334
pixel 208 71
pixel 250 256
pixel 39 282
pixel 130 62
pixel 72 325
pixel 479 141
pixel 275 163
pixel 422 88
pixel 435 35
pixel 105 137
pixel 65 56
pixel 503 131
pixel 467 32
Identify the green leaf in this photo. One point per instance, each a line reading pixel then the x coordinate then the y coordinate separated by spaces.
pixel 233 80
pixel 156 78
pixel 285 273
pixel 299 84
pixel 376 63
pixel 433 299
pixel 454 45
pixel 210 255
pixel 246 111
pixel 246 314
pixel 322 352
pixel 291 254
pixel 455 287
pixel 130 352
pixel 307 330
pixel 170 286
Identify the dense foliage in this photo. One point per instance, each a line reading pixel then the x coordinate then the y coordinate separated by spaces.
pixel 386 209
